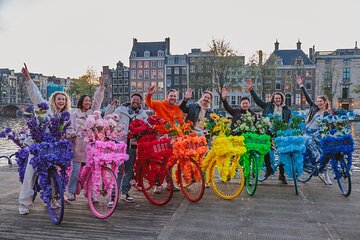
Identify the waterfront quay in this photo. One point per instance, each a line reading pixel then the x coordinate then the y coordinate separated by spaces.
pixel 274 212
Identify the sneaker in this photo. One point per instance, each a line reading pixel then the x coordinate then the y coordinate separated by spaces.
pixel 207 185
pixel 282 179
pixel 127 198
pixel 110 204
pixel 326 178
pixel 71 197
pixel 157 189
pixel 23 209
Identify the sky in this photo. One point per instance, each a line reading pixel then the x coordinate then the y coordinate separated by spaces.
pixel 65 37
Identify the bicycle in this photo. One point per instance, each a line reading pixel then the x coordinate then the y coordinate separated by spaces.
pixel 98 180
pixel 8 158
pixel 151 171
pixel 289 150
pixel 222 167
pixel 187 156
pixel 257 147
pixel 337 150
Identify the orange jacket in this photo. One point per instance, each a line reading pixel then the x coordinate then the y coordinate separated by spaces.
pixel 163 109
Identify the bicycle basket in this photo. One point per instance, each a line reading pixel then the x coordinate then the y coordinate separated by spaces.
pixel 336 144
pixel 107 152
pixel 155 150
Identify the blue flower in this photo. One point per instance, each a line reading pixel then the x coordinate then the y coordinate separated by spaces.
pixel 29 109
pixel 65 116
pixel 350 115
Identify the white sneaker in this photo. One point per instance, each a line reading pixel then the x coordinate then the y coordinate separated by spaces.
pixel 127 198
pixel 23 209
pixel 327 178
pixel 207 185
pixel 157 189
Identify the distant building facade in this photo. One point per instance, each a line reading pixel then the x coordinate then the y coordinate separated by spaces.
pixel 120 83
pixel 177 74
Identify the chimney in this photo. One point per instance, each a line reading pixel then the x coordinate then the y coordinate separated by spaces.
pixel 134 41
pixel 276 45
pixel 356 45
pixel 167 43
pixel 311 53
pixel 260 57
pixel 298 45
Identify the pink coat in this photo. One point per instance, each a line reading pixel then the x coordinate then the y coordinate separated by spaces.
pixel 79 146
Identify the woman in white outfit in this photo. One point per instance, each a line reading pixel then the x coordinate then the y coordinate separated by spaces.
pixel 58 102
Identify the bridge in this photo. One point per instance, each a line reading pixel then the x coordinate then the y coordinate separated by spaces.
pixel 12 109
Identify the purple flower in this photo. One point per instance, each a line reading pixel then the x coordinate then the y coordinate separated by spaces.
pixel 65 116
pixel 43 106
pixel 29 109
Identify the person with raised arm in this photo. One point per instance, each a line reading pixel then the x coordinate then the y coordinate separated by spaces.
pixel 197 111
pixel 59 102
pixel 275 106
pixel 236 113
pixel 85 107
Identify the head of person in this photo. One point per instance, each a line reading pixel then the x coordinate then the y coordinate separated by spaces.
pixel 322 102
pixel 59 102
pixel 135 101
pixel 278 98
pixel 84 102
pixel 171 96
pixel 206 98
pixel 245 103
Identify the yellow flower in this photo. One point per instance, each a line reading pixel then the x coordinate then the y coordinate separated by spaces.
pixel 214 116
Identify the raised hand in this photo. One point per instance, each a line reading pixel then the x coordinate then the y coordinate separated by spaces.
pixel 224 93
pixel 114 102
pixel 102 79
pixel 249 85
pixel 299 80
pixel 188 94
pixel 26 73
pixel 151 90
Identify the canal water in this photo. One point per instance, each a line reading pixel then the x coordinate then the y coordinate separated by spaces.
pixel 7 147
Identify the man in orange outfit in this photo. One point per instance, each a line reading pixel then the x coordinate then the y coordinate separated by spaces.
pixel 166 109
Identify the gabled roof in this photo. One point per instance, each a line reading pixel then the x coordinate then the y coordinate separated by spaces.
pixel 289 57
pixel 152 47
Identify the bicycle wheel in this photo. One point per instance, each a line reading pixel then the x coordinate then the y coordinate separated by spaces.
pixel 227 184
pixel 343 176
pixel 156 183
pixel 308 171
pixel 56 204
pixel 293 170
pixel 261 176
pixel 108 191
pixel 252 178
pixel 191 180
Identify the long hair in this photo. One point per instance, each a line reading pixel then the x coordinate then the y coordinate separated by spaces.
pixel 81 100
pixel 326 101
pixel 52 101
pixel 281 95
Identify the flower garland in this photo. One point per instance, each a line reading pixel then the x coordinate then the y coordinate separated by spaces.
pixel 224 149
pixel 47 155
pixel 254 142
pixel 103 153
pixel 291 145
pixel 333 145
pixel 185 148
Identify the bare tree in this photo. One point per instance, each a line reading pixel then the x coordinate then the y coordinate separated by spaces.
pixel 330 83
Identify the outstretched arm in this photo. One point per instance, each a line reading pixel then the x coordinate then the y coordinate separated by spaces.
pixel 308 98
pixel 183 105
pixel 33 90
pixel 261 103
pixel 148 98
pixel 227 106
pixel 99 94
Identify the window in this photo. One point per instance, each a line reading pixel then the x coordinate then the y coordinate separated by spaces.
pixel 160 74
pixel 133 86
pixel 126 74
pixel 298 99
pixel 168 70
pixel 133 54
pixel 140 64
pixel 268 97
pixel 120 73
pixel 146 54
pixel 176 70
pixel 160 86
pixel 347 61
pixel 192 60
pixel 160 64
pixel 346 73
pixel 160 53
pixel 120 90
pixel 176 80
pixel 146 74
pixel 115 90
pixel 308 73
pixel 308 85
pixel 238 99
pixel 288 99
pixel 288 73
pixel 345 92
pixel 154 96
pixel 192 68
pixel 168 81
pixel 277 84
pixel 182 59
pixel 114 75
pixel 121 82
pixel 328 74
pixel 299 62
pixel 126 89
pixel 133 64
pixel 233 100
pixel 146 86
pixel 115 81
pixel 146 64
pixel 161 97
pixel 183 70
pixel 278 73
pixel 153 64
pixel 217 100
pixel 139 86
pixel 154 84
pixel 140 74
pixel 133 74
pixel 153 74
pixel 171 60
pixel 126 82
pixel 183 81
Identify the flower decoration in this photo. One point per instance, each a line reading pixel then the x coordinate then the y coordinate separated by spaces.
pixel 335 125
pixel 252 123
pixel 16 137
pixel 102 129
pixel 217 126
pixel 294 127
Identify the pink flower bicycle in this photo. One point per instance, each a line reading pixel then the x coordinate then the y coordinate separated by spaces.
pixel 98 176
